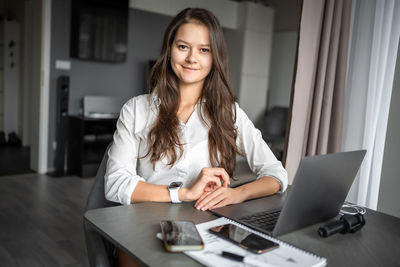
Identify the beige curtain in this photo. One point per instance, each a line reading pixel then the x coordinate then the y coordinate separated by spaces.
pixel 317 96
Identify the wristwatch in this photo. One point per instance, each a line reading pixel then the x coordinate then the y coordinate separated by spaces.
pixel 173 191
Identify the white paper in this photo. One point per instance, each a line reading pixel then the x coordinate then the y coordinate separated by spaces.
pixel 285 255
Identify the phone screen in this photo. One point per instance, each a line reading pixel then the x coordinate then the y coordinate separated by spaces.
pixel 181 235
pixel 244 238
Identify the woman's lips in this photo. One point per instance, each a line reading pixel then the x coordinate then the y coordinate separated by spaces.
pixel 189 68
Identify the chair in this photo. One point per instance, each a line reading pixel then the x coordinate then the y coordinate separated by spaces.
pixel 100 251
pixel 274 129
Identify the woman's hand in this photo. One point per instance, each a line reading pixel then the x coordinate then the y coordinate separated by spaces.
pixel 207 181
pixel 223 196
pixel 220 197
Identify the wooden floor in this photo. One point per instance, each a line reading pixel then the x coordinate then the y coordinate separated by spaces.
pixel 41 220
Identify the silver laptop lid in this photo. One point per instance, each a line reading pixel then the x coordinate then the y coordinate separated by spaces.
pixel 319 189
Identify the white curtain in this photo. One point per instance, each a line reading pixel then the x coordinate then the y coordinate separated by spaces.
pixel 374 40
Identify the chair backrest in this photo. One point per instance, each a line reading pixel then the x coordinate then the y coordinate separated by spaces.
pixel 96 198
pixel 275 122
pixel 100 251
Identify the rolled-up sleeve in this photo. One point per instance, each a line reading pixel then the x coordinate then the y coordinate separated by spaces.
pixel 259 156
pixel 121 176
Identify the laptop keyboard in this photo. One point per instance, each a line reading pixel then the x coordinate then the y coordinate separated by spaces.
pixel 265 220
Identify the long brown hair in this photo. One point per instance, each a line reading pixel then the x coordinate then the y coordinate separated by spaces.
pixel 217 97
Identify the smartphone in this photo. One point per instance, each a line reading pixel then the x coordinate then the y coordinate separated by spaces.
pixel 181 236
pixel 245 239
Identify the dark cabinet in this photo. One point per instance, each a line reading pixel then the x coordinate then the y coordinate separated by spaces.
pixel 88 140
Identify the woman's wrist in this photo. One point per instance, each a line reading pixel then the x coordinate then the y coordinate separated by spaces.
pixel 243 191
pixel 184 194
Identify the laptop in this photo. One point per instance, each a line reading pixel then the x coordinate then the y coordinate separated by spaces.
pixel 318 191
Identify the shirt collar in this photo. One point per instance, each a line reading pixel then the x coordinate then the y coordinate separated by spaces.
pixel 155 100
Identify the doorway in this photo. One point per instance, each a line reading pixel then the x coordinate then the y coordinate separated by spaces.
pixel 14 156
pixel 24 85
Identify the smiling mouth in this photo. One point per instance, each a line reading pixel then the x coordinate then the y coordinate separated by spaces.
pixel 188 68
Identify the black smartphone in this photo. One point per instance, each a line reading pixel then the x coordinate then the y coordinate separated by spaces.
pixel 245 239
pixel 180 236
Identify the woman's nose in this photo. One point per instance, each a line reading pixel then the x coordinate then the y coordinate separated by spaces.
pixel 191 57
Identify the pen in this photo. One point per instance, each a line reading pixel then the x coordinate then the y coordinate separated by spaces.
pixel 243 259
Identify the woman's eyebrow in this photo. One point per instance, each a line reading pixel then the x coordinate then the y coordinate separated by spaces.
pixel 180 40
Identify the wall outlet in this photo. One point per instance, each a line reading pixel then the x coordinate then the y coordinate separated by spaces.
pixel 63 65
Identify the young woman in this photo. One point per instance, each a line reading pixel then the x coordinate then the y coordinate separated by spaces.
pixel 179 143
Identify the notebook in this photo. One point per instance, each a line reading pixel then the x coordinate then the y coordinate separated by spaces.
pixel 319 189
pixel 284 256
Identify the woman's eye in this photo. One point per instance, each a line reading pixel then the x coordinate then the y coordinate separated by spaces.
pixel 205 50
pixel 183 47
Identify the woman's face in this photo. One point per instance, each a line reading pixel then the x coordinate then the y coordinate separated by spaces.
pixel 191 58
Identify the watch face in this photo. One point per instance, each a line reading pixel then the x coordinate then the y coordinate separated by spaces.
pixel 175 185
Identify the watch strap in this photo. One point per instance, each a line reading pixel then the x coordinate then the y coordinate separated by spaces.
pixel 173 194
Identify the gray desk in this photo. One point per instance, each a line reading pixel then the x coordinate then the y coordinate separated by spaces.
pixel 133 229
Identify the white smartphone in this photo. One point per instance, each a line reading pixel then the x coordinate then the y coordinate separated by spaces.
pixel 180 236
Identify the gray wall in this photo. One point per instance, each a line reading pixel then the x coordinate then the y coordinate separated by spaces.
pixel 123 80
pixel 389 197
pixel 234 41
pixel 284 49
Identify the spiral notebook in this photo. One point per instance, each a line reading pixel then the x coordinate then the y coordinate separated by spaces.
pixel 285 255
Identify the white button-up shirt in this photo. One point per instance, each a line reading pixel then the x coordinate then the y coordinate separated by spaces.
pixel 126 165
